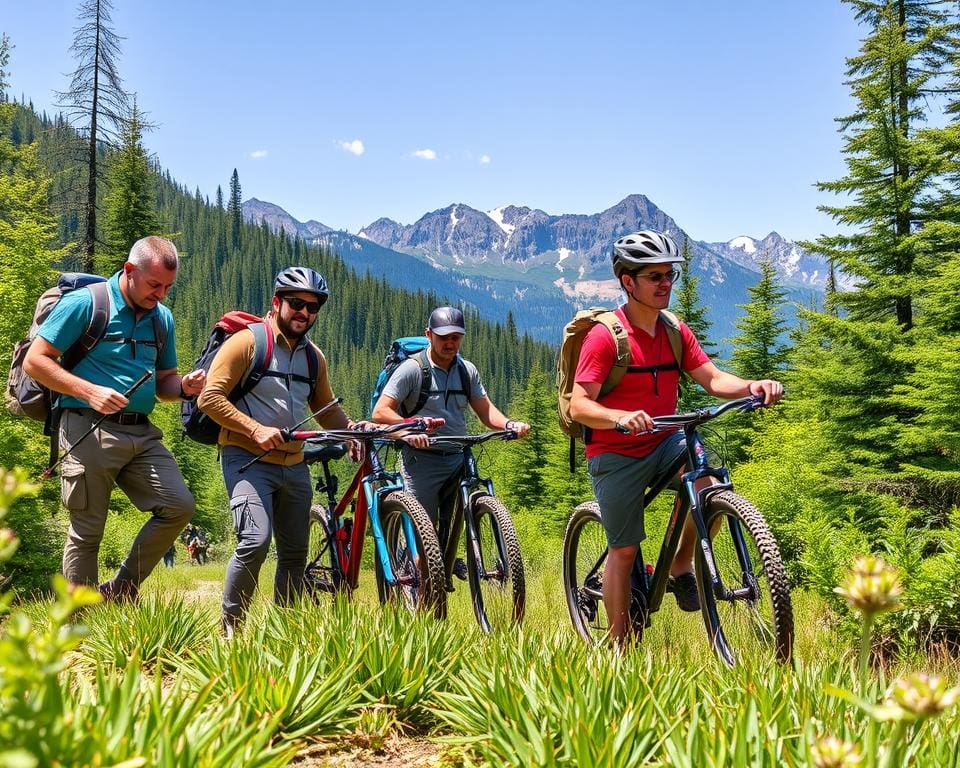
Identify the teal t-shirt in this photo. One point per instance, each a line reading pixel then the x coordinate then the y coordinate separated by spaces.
pixel 127 350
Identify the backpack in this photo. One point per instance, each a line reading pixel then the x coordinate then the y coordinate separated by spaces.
pixel 26 397
pixel 401 349
pixel 196 424
pixel 569 356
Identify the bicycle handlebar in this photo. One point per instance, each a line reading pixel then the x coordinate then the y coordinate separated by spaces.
pixel 699 416
pixel 467 440
pixel 417 425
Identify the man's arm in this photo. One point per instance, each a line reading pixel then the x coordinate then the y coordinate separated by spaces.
pixel 228 367
pixel 42 363
pixel 493 418
pixel 728 386
pixel 172 386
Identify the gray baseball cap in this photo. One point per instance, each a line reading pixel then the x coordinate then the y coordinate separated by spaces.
pixel 444 320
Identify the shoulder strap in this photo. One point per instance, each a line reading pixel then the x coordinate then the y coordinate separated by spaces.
pixel 426 381
pixel 619 333
pixel 672 325
pixel 262 354
pixel 313 365
pixel 96 328
pixel 159 334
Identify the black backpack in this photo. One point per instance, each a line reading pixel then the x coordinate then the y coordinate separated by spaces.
pixel 196 424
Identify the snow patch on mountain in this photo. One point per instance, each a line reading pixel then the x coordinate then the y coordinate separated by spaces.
pixel 497 215
pixel 744 243
pixel 564 254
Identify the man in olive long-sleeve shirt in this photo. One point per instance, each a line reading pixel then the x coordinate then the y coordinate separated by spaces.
pixel 273 496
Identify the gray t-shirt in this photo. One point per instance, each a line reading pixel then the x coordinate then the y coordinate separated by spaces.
pixel 449 397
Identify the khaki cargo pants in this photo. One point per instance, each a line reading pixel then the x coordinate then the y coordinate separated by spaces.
pixel 133 458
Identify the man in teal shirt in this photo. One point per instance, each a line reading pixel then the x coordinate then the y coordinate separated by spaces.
pixel 126 450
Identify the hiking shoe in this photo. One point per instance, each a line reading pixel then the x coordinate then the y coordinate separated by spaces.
pixel 684 588
pixel 114 591
pixel 460 569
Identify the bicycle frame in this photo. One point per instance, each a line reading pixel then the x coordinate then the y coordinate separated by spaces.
pixel 692 502
pixel 470 487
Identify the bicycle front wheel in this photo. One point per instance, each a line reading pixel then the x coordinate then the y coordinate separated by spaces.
pixel 584 555
pixel 322 573
pixel 415 557
pixel 751 617
pixel 495 569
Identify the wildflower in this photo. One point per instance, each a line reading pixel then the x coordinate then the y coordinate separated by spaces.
pixel 918 696
pixel 831 752
pixel 872 586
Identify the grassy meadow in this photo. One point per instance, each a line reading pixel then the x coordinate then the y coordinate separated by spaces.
pixel 337 683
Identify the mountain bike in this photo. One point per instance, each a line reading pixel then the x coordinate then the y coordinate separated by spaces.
pixel 742 584
pixel 494 564
pixel 408 561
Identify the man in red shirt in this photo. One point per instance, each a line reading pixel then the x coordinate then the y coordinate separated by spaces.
pixel 621 466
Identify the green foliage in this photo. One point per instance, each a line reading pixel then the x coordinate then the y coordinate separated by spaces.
pixel 690 309
pixel 129 209
pixel 758 352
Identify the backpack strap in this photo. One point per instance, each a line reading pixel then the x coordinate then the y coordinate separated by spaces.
pixel 622 340
pixel 426 381
pixel 313 366
pixel 672 324
pixel 159 334
pixel 262 354
pixel 96 327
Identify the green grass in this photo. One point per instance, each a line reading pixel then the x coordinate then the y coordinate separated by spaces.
pixel 353 671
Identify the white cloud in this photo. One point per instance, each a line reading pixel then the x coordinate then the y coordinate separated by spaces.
pixel 485 159
pixel 354 147
pixel 424 154
pixel 258 154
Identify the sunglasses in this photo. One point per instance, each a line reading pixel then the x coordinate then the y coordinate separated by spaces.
pixel 658 277
pixel 296 304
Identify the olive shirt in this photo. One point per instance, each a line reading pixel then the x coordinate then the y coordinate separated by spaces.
pixel 237 425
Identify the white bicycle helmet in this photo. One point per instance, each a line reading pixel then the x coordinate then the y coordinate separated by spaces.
pixel 638 249
pixel 293 279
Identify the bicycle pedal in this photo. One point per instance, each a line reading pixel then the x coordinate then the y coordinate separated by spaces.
pixel 460 569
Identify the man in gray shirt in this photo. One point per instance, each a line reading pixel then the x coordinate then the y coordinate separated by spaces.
pixel 432 475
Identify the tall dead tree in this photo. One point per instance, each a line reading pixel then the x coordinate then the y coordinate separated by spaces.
pixel 95 102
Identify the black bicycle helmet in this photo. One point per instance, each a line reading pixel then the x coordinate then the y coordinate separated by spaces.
pixel 638 249
pixel 293 279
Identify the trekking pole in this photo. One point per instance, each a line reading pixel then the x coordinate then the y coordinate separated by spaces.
pixel 52 468
pixel 286 432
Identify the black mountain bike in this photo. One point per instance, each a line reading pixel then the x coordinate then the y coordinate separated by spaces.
pixel 494 564
pixel 744 594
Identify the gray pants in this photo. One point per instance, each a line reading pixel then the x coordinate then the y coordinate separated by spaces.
pixel 266 500
pixel 133 458
pixel 433 478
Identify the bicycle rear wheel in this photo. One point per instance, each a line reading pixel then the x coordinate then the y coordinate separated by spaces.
pixel 753 618
pixel 584 555
pixel 322 573
pixel 419 581
pixel 495 570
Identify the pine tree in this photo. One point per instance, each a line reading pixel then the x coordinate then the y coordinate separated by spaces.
pixel 95 97
pixel 235 210
pixel 857 355
pixel 5 47
pixel 129 213
pixel 758 352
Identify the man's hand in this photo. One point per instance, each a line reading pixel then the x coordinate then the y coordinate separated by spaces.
pixel 521 428
pixel 267 438
pixel 771 390
pixel 105 400
pixel 416 439
pixel 635 422
pixel 191 384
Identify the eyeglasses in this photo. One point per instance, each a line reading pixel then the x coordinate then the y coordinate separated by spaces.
pixel 658 277
pixel 296 304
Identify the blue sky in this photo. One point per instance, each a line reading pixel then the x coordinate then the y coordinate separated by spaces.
pixel 722 113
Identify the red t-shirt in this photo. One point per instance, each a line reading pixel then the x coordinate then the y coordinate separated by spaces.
pixel 654 392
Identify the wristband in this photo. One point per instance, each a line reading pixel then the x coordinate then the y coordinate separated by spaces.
pixel 506 425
